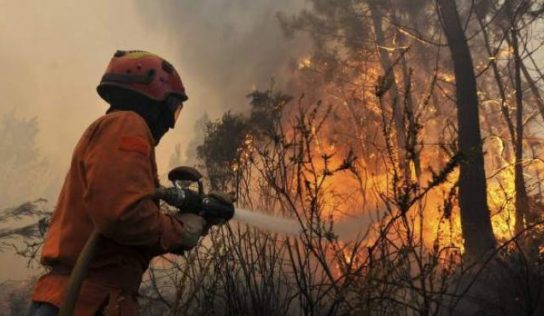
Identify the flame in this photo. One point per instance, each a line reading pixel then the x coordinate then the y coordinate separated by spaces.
pixel 446 77
pixel 305 63
pixel 505 53
pixel 342 194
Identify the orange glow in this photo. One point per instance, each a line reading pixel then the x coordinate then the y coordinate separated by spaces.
pixel 349 118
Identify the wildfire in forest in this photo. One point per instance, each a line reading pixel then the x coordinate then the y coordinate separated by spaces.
pixel 344 193
pixel 316 157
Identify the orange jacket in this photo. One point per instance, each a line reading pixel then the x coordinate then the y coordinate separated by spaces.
pixel 112 175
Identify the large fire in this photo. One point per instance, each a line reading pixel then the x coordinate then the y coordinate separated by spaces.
pixel 346 195
pixel 354 168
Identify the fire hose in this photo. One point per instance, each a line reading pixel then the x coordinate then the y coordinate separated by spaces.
pixel 214 207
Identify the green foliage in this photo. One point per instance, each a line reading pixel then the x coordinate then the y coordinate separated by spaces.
pixel 220 147
pixel 266 107
pixel 225 138
pixel 331 24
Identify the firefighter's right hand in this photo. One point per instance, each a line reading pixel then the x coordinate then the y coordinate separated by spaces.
pixel 193 228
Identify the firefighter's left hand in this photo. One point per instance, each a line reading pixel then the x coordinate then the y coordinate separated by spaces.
pixel 193 228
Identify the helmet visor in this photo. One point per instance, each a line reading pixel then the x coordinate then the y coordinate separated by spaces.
pixel 175 110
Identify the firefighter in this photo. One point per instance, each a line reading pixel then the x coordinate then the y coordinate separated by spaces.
pixel 109 187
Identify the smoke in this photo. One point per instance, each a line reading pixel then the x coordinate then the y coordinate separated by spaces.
pixel 226 49
pixel 54 53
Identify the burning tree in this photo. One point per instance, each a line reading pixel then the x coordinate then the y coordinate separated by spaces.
pixel 477 231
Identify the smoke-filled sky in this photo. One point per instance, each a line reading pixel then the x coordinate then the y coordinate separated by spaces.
pixel 54 53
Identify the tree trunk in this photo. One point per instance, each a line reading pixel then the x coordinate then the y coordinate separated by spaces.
pixel 522 202
pixel 409 104
pixel 516 133
pixel 389 76
pixel 475 220
pixel 534 89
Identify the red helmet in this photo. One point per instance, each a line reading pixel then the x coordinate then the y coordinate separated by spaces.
pixel 144 73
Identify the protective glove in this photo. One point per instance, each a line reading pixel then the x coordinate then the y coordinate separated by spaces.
pixel 193 229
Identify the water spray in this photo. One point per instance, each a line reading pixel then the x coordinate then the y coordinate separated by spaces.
pixel 268 222
pixel 346 229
